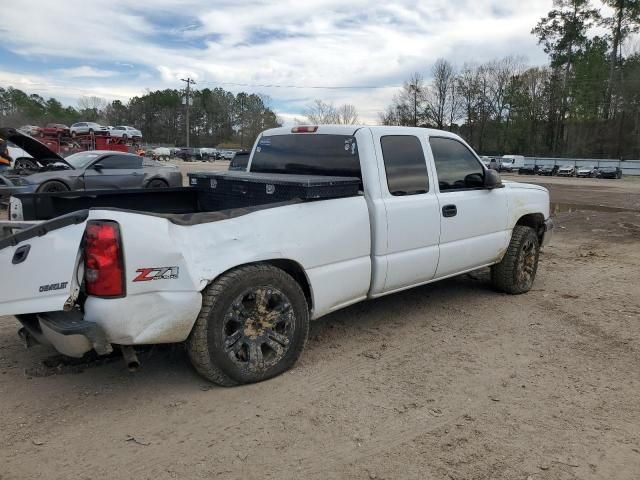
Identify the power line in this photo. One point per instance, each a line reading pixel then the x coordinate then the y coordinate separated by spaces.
pixel 302 87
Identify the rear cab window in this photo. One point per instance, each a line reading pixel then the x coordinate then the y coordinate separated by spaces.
pixel 405 165
pixel 307 154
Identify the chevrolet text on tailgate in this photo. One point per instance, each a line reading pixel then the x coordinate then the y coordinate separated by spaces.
pixel 237 264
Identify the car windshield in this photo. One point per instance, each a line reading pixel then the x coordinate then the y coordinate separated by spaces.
pixel 81 159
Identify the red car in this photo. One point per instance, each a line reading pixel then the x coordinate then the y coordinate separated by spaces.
pixel 55 130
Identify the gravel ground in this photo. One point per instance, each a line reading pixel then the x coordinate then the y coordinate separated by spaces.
pixel 445 381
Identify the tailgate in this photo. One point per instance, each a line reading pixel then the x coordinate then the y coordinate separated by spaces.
pixel 38 263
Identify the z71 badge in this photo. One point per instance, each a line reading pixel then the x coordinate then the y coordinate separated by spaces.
pixel 158 273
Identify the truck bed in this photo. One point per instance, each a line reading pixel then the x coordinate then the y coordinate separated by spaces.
pixel 200 198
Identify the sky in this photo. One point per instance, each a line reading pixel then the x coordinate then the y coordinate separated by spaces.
pixel 118 49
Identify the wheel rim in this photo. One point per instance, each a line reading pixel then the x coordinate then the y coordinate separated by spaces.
pixel 258 328
pixel 527 262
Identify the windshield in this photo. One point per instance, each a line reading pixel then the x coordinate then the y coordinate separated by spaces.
pixel 316 154
pixel 81 159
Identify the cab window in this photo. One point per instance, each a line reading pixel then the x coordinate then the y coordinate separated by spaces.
pixel 405 165
pixel 457 167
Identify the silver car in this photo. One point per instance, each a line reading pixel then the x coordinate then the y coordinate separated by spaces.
pixel 88 127
pixel 125 132
pixel 46 171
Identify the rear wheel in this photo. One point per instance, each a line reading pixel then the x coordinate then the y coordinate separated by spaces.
pixel 157 183
pixel 253 326
pixel 517 270
pixel 53 186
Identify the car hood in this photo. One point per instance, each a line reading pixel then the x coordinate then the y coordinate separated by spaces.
pixel 33 147
pixel 520 186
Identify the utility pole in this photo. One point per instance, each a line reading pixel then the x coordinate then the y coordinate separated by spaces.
pixel 189 82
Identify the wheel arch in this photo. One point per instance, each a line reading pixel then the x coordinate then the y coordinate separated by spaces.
pixel 535 221
pixel 289 266
pixel 57 179
pixel 157 177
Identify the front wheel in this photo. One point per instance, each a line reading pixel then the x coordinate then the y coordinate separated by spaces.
pixel 253 325
pixel 53 186
pixel 517 270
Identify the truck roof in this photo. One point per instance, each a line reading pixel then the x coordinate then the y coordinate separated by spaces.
pixel 352 129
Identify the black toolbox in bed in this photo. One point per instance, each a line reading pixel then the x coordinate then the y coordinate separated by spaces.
pixel 259 188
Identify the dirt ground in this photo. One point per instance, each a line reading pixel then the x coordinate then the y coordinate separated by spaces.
pixel 445 381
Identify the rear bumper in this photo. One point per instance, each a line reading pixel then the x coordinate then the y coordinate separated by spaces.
pixel 547 232
pixel 67 332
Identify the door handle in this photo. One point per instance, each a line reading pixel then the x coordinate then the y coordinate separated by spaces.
pixel 449 211
pixel 21 254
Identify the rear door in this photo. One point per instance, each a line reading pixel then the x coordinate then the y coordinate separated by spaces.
pixel 473 219
pixel 118 171
pixel 37 273
pixel 412 212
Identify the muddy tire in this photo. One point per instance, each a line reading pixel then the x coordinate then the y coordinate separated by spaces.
pixel 253 325
pixel 517 270
pixel 53 186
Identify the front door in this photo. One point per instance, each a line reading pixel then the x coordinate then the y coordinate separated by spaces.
pixel 473 219
pixel 114 171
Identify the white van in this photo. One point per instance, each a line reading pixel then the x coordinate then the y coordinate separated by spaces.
pixel 511 163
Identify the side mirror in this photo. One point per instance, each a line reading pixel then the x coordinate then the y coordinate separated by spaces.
pixel 97 167
pixel 492 180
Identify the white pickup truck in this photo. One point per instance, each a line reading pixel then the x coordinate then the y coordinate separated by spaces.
pixel 240 285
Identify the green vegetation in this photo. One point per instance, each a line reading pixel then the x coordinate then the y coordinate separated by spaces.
pixel 216 116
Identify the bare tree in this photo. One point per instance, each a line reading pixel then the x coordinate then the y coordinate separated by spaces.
pixel 468 91
pixel 322 113
pixel 92 107
pixel 438 105
pixel 92 103
pixel 347 114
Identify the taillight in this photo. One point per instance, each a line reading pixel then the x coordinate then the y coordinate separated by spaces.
pixel 103 264
pixel 304 129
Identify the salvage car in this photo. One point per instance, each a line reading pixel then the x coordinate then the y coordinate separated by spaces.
pixel 88 127
pixel 548 170
pixel 56 130
pixel 587 172
pixel 32 130
pixel 528 170
pixel 124 132
pixel 609 172
pixel 326 216
pixel 567 171
pixel 46 171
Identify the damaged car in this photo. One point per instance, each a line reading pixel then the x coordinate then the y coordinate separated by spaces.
pixel 46 172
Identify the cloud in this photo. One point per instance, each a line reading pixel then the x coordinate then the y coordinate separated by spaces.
pixel 84 71
pixel 285 42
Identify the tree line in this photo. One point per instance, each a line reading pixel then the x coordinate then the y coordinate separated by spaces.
pixel 584 103
pixel 217 117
